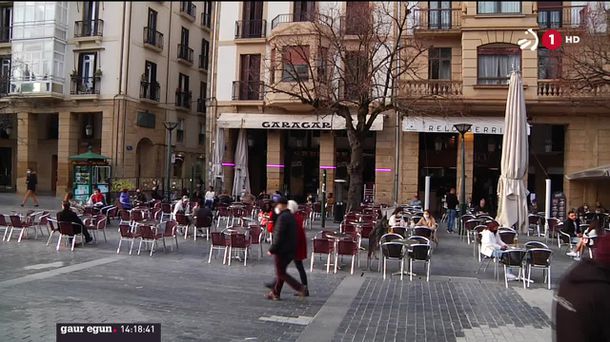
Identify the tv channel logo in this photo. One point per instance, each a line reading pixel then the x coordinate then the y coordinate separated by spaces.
pixel 551 39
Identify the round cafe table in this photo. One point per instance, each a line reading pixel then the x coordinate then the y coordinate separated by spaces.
pixel 407 244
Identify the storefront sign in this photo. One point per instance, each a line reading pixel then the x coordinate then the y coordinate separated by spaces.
pixel 480 125
pixel 288 121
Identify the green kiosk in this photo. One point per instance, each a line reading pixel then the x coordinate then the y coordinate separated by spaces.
pixel 89 170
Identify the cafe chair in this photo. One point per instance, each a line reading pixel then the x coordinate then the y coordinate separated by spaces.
pixel 52 228
pixel 256 238
pixel 19 224
pixel 127 235
pixel 507 235
pixel 420 252
pixel 148 234
pixel 219 242
pixel 564 239
pixel 96 224
pixel 554 225
pixel 169 232
pixel 183 224
pixel 513 258
pixel 396 251
pixel 419 239
pixel 539 258
pixel 469 229
pixel 423 231
pixel 324 246
pixel 66 229
pixel 238 242
pixel 534 244
pixel 533 224
pixel 4 226
pixel 347 247
pixel 203 223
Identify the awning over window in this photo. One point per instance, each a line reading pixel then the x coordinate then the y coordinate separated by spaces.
pixel 600 172
pixel 288 121
pixel 480 125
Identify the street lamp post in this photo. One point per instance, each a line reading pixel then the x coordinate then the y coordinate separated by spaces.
pixel 169 126
pixel 462 128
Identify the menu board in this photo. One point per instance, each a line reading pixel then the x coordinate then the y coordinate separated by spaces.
pixel 558 206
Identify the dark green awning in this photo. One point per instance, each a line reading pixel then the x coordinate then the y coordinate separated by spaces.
pixel 89 155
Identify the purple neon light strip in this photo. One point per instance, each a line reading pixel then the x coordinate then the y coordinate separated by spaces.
pixel 326 167
pixel 277 166
pixel 383 170
pixel 228 164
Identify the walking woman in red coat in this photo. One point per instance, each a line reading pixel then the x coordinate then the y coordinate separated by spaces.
pixel 301 252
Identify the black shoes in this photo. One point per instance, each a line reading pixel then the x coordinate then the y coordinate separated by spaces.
pixel 303 293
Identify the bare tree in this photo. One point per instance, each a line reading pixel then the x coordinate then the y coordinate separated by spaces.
pixel 347 64
pixel 586 64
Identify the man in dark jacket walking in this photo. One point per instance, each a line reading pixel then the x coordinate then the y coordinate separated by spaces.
pixel 582 302
pixel 283 249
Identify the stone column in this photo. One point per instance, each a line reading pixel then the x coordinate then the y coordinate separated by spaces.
pixel 409 176
pixel 275 157
pixel 385 152
pixel 469 137
pixel 67 145
pixel 327 158
pixel 27 143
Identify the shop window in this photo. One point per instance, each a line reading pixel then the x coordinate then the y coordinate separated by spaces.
pixel 495 63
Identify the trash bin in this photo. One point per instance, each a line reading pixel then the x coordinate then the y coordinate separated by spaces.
pixel 338 212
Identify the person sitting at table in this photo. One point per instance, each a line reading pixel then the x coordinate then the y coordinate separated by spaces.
pixel 493 247
pixel 415 202
pixel 588 238
pixel 247 198
pixel 140 198
pixel 571 226
pixel 73 203
pixel 599 209
pixel 396 218
pixel 67 215
pixel 428 221
pixel 124 199
pixel 481 209
pixel 202 211
pixel 97 198
pixel 180 207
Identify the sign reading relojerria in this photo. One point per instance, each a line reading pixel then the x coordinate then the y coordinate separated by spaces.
pixel 480 125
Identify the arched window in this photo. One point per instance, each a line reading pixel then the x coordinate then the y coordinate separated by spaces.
pixel 496 61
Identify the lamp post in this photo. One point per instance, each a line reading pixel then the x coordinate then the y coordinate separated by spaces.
pixel 462 128
pixel 169 127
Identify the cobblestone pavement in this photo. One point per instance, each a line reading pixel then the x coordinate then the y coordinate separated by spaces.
pixel 197 301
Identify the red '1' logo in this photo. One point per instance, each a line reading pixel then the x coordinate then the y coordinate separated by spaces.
pixel 552 39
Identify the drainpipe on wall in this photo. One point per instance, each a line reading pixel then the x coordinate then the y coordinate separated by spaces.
pixel 115 112
pixel 397 128
pixel 124 121
pixel 212 116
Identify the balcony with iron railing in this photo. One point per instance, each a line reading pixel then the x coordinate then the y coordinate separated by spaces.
pixel 188 10
pixel 153 39
pixel 424 88
pixel 183 99
pixel 563 17
pixel 185 54
pixel 6 34
pixel 89 28
pixel 81 85
pixel 252 90
pixel 201 107
pixel 246 29
pixel 291 18
pixel 437 20
pixel 560 89
pixel 206 20
pixel 150 90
